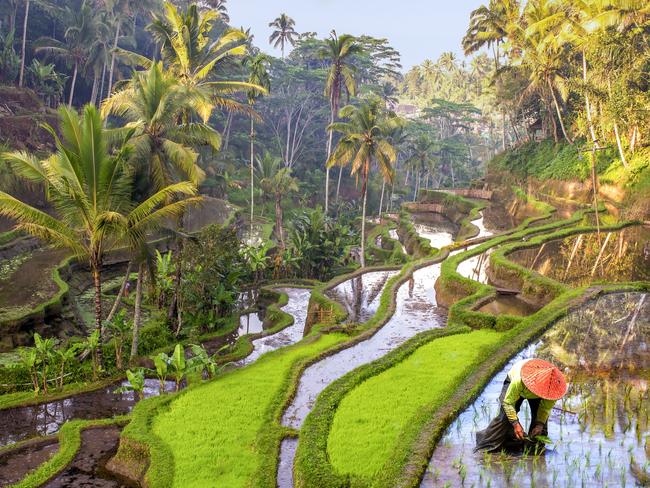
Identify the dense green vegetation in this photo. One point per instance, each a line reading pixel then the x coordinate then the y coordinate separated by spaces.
pixel 159 112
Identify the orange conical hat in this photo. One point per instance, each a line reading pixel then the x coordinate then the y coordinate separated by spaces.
pixel 543 379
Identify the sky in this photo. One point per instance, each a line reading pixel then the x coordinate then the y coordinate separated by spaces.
pixel 418 29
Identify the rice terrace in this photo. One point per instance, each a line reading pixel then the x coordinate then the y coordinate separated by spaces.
pixel 309 244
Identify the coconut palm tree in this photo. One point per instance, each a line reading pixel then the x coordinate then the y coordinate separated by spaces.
pixel 277 181
pixel 89 184
pixel 284 32
pixel 258 75
pixel 364 142
pixel 84 28
pixel 155 105
pixel 190 52
pixel 340 79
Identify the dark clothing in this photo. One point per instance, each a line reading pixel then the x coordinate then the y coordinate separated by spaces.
pixel 500 434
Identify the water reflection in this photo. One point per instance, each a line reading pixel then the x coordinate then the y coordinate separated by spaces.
pixel 438 230
pixel 47 418
pixel 360 295
pixel 585 258
pixel 508 304
pixel 599 430
pixel 297 307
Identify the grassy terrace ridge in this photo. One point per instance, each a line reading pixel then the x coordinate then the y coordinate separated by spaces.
pixel 143 439
pixel 328 454
pixel 69 438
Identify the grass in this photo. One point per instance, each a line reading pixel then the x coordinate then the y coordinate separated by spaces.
pixel 372 418
pixel 211 430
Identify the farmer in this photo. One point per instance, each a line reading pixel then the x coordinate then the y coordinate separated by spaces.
pixel 541 384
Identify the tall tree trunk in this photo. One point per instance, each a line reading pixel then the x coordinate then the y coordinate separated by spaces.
pixel 619 144
pixel 96 268
pixel 363 220
pixel 93 93
pixel 226 132
pixel 559 113
pixel 112 69
pixel 338 184
pixel 100 95
pixel 21 78
pixel 278 219
pixel 381 199
pixel 120 293
pixel 137 314
pixel 252 148
pixel 503 130
pixel 587 103
pixel 74 81
pixel 173 311
pixel 327 170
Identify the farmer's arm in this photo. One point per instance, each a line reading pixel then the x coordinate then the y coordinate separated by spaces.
pixel 544 410
pixel 510 399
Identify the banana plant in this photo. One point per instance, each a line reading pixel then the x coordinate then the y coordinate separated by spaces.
pixel 161 362
pixel 64 356
pixel 119 327
pixel 179 365
pixel 201 361
pixel 136 383
pixel 91 345
pixel 44 353
pixel 29 359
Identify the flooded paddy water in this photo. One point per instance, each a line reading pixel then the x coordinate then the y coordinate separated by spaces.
pixel 416 311
pixel 20 423
pixel 360 295
pixel 599 430
pixel 297 306
pixel 578 260
pixel 438 230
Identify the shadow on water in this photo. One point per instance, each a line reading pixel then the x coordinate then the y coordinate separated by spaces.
pixel 578 260
pixel 88 468
pixel 509 305
pixel 17 463
pixel 600 428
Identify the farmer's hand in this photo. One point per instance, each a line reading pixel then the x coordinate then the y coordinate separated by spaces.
pixel 519 431
pixel 536 430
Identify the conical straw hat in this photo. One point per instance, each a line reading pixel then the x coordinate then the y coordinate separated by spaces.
pixel 543 379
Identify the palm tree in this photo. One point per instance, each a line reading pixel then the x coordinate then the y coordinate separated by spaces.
pixel 544 58
pixel 22 51
pixel 284 32
pixel 340 79
pixel 258 76
pixel 364 142
pixel 83 31
pixel 190 52
pixel 89 185
pixel 421 150
pixel 156 106
pixel 277 181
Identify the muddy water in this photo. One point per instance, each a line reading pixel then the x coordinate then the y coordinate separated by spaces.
pixel 508 304
pixel 47 418
pixel 582 259
pixel 17 463
pixel 360 295
pixel 88 468
pixel 600 429
pixel 297 307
